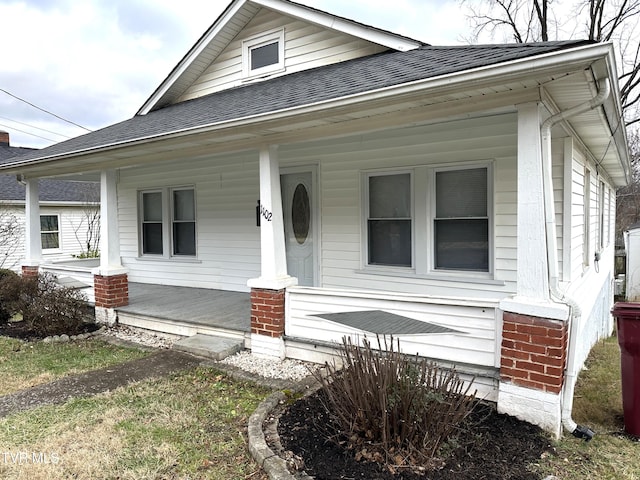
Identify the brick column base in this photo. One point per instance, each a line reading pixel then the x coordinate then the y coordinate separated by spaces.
pixel 532 364
pixel 29 271
pixel 111 291
pixel 267 312
pixel 533 352
pixel 267 322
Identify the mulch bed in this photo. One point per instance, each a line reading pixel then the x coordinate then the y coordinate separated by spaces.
pixel 20 331
pixel 490 446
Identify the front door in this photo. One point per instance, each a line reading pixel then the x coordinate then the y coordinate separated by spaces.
pixel 299 225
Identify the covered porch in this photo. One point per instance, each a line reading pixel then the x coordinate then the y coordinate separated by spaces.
pixel 187 311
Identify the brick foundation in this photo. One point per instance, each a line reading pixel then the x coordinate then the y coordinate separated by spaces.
pixel 533 352
pixel 111 291
pixel 29 271
pixel 267 312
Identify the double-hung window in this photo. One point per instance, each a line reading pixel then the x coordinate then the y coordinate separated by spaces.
pixel 429 219
pixel 389 219
pixel 50 232
pixel 263 54
pixel 461 222
pixel 168 222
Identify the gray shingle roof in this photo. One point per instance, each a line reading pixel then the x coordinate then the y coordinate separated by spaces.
pixel 351 77
pixel 7 152
pixel 51 190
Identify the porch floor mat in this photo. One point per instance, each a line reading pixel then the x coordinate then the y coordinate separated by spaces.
pixel 384 323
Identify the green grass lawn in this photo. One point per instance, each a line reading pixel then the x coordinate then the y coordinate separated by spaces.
pixel 188 426
pixel 598 405
pixel 27 364
pixel 193 425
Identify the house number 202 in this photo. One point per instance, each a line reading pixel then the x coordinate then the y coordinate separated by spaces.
pixel 266 214
pixel 262 212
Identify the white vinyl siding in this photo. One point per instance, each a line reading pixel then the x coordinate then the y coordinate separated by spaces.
pixel 72 228
pixel 228 240
pixel 306 46
pixel 463 143
pixel 473 340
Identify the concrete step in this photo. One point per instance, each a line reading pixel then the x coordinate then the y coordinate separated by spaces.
pixel 209 346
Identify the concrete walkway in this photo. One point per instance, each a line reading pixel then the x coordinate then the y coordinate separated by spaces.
pixel 162 363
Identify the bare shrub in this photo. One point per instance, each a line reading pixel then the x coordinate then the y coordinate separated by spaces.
pixel 46 307
pixel 6 312
pixel 393 408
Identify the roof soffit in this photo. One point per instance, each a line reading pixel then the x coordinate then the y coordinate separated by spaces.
pixel 231 22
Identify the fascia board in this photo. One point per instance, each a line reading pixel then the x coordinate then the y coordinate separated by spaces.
pixel 343 25
pixel 580 57
pixel 191 56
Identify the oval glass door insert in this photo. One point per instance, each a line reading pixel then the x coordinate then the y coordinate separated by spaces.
pixel 301 213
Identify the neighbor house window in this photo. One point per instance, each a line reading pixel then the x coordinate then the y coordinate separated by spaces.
pixel 168 222
pixel 49 232
pixel 427 219
pixel 263 54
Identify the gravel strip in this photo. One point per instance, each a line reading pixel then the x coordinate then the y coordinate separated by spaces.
pixel 270 368
pixel 141 336
pixel 287 369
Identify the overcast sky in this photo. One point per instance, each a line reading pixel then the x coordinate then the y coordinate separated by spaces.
pixel 95 62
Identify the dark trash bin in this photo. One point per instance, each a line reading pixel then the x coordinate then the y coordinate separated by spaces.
pixel 628 323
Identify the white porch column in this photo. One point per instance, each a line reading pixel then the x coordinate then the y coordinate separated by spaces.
pixel 33 243
pixel 532 294
pixel 110 279
pixel 110 263
pixel 273 274
pixel 268 291
pixel 534 335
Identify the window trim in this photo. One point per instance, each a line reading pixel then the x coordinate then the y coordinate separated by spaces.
pixel 58 231
pixel 423 209
pixel 168 208
pixel 432 217
pixel 366 217
pixel 260 40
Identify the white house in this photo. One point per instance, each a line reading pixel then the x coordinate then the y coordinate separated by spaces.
pixel 65 210
pixel 461 198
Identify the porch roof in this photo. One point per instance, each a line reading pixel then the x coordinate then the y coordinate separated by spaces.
pixel 308 87
pixel 327 101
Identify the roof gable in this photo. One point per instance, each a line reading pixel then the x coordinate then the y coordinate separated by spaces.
pixel 215 62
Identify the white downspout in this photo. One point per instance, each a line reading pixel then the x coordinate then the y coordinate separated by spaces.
pixel 552 255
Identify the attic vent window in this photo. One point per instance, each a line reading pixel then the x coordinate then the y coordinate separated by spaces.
pixel 263 54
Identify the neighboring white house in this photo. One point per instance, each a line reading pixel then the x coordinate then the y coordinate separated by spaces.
pixel 66 208
pixel 461 198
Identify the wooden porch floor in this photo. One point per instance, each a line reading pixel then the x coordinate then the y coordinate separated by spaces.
pixel 197 306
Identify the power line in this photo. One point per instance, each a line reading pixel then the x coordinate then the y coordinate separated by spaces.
pixel 32 134
pixel 33 126
pixel 43 110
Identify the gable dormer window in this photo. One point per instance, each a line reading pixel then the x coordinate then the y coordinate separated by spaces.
pixel 263 54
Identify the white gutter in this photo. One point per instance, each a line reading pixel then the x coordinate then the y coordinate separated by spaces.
pixel 508 71
pixel 552 256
